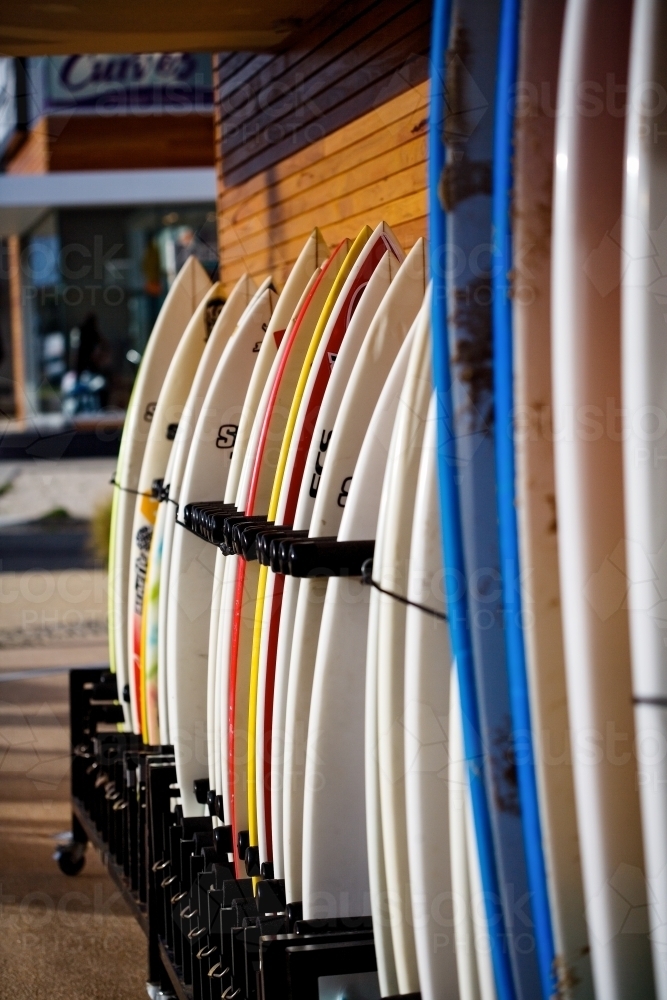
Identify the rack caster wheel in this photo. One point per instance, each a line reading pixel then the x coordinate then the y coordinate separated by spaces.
pixel 71 858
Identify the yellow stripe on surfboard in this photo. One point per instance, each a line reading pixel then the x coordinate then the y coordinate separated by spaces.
pixel 342 276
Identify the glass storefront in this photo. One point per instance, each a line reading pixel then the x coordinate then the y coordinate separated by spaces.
pixel 93 282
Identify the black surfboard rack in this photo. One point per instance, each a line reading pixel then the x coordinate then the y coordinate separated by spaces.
pixel 311 557
pixel 209 934
pixel 278 546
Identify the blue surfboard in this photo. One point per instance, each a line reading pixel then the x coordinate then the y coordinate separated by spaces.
pixel 461 144
pixel 503 384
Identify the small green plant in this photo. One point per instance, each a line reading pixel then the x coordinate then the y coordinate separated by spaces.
pixel 57 514
pixel 100 528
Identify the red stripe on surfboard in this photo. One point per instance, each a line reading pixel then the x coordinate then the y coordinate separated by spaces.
pixel 271 658
pixel 233 662
pixel 136 664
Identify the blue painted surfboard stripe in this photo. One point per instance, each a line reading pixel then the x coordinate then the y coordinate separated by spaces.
pixel 508 56
pixel 451 519
pixel 465 188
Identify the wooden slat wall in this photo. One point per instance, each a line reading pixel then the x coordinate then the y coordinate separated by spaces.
pixel 355 56
pixel 370 167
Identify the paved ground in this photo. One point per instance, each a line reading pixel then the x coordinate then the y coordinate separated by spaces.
pixel 53 617
pixel 60 938
pixel 30 489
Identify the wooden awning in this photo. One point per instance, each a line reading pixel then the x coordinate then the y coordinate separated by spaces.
pixel 61 27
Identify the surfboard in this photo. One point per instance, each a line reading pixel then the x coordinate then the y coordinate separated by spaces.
pixel 164 424
pixel 221 318
pixel 253 498
pixel 485 969
pixel 377 877
pixel 643 367
pixel 312 256
pixel 393 548
pixel 380 347
pixel 212 432
pixel 426 740
pixel 459 218
pixel 473 955
pixel 189 287
pixel 212 709
pixel 225 324
pixel 193 559
pixel 532 815
pixel 228 591
pixel 297 513
pixel 150 730
pixel 239 300
pixel 160 539
pixel 311 386
pixel 534 503
pixel 334 852
pixel 590 157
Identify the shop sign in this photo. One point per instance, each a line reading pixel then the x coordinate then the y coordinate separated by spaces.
pixel 121 83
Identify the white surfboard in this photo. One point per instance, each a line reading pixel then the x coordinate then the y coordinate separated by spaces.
pixel 426 738
pixel 253 498
pixel 313 380
pixel 283 654
pixel 535 489
pixel 237 301
pixel 193 559
pixel 334 859
pixel 466 904
pixel 155 664
pixel 164 425
pixel 380 347
pixel 371 382
pixel 485 973
pixel 240 299
pixel 393 545
pixel 305 311
pixel 644 361
pixel 313 255
pixel 218 329
pixel 212 715
pixel 297 511
pixel 189 287
pixel 230 571
pixel 586 341
pixel 311 386
pixel 377 878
